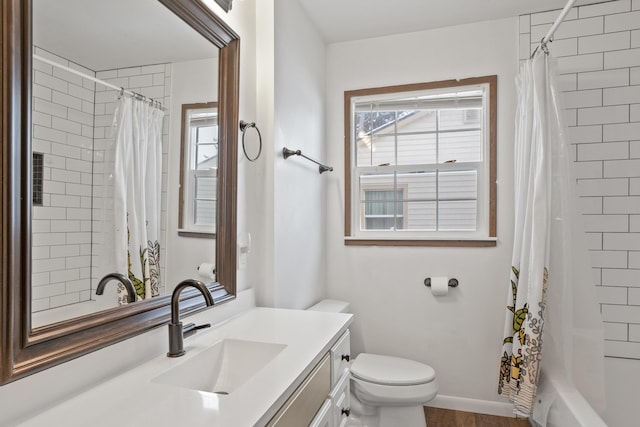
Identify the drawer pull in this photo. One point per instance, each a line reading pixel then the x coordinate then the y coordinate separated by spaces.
pixel 346 357
pixel 346 411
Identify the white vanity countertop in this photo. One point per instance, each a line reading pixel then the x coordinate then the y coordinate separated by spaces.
pixel 131 399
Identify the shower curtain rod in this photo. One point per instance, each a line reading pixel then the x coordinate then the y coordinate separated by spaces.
pixel 563 14
pixel 153 102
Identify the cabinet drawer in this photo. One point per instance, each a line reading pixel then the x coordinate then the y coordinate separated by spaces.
pixel 302 406
pixel 340 357
pixel 341 399
pixel 324 417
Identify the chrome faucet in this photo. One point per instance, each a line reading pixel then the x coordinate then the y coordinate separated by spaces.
pixel 126 282
pixel 177 333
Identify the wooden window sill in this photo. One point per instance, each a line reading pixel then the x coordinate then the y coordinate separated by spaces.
pixel 479 243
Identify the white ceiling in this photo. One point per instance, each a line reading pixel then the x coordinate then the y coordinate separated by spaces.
pixel 108 34
pixel 343 20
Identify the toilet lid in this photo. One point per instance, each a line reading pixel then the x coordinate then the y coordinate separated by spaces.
pixel 390 370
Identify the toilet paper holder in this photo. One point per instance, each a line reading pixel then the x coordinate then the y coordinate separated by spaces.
pixel 453 283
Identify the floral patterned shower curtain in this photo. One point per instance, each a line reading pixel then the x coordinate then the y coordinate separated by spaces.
pixel 137 182
pixel 549 257
pixel 522 344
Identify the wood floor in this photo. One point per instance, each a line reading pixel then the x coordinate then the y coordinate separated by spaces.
pixel 447 418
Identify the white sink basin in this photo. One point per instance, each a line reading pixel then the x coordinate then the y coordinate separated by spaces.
pixel 223 367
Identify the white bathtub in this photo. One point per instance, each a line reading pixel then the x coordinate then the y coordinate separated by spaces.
pixel 561 405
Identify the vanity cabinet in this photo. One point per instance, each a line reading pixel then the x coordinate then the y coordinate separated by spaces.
pixel 326 388
pixel 340 357
pixel 304 383
pixel 340 398
pixel 340 395
pixel 305 401
pixel 324 417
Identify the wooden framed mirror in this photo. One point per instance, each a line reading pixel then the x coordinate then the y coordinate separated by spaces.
pixel 25 348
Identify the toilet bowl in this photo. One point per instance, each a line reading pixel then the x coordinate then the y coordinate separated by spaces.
pixel 390 391
pixel 386 391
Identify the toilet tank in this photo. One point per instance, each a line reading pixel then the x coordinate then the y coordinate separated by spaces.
pixel 331 305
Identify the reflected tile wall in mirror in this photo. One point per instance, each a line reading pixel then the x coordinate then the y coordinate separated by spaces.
pixel 63 123
pixel 72 127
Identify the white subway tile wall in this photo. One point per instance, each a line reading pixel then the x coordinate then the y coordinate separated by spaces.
pixel 72 116
pixel 598 51
pixel 59 225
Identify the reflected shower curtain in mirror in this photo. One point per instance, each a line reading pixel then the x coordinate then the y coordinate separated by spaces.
pixel 135 183
pixel 551 285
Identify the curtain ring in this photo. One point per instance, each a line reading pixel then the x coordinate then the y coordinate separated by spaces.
pixel 121 92
pixel 243 128
pixel 543 45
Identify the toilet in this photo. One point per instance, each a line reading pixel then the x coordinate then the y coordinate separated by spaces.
pixel 386 391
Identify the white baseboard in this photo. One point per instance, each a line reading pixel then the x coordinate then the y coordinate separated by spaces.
pixel 501 409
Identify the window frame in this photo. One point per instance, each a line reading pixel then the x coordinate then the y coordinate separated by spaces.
pixel 186 228
pixel 462 238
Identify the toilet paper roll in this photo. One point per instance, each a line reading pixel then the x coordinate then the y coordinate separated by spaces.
pixel 207 270
pixel 439 285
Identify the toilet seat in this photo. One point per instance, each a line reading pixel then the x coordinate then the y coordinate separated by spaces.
pixel 391 371
pixel 392 381
pixel 393 395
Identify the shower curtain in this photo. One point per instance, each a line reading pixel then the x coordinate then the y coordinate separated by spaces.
pixel 551 286
pixel 136 185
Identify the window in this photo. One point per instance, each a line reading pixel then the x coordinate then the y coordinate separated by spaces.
pixel 383 210
pixel 421 163
pixel 199 170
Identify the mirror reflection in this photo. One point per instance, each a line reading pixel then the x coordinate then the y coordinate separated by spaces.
pixel 198 170
pixel 109 81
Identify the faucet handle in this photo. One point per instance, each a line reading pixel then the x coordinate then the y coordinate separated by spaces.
pixel 191 328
